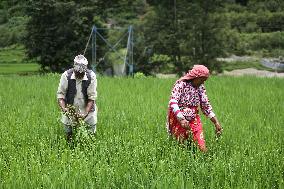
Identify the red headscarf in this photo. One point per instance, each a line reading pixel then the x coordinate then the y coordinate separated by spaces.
pixel 195 72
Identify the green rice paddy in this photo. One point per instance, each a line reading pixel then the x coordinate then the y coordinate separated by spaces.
pixel 131 148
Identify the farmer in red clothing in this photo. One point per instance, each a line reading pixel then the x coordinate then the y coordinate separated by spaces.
pixel 187 95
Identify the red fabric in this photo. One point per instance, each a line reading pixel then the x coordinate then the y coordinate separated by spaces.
pixel 171 103
pixel 177 112
pixel 195 72
pixel 182 134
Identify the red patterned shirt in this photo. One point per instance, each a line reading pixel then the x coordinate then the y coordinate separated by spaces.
pixel 185 98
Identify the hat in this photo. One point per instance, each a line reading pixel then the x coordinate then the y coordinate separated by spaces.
pixel 80 64
pixel 195 72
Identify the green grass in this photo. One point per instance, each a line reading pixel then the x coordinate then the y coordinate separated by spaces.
pixel 13 61
pixel 19 68
pixel 14 54
pixel 131 148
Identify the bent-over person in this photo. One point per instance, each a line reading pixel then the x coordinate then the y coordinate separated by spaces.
pixel 187 95
pixel 77 88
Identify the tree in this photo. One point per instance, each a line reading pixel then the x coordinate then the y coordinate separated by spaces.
pixel 242 2
pixel 12 22
pixel 160 33
pixel 189 32
pixel 57 31
pixel 205 39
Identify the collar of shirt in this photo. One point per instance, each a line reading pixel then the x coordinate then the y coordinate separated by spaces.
pixel 84 78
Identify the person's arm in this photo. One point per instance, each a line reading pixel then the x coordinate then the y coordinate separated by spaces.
pixel 218 128
pixel 92 95
pixel 62 105
pixel 61 92
pixel 90 106
pixel 175 96
pixel 205 105
pixel 208 111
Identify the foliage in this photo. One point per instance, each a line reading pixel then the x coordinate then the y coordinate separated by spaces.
pixel 205 40
pixel 262 21
pixel 139 75
pixel 265 5
pixel 13 31
pixel 116 57
pixel 57 31
pixel 118 39
pixel 270 22
pixel 194 32
pixel 183 29
pixel 264 44
pixel 13 54
pixel 160 63
pixel 156 58
pixel 81 137
pixel 12 22
pixel 122 13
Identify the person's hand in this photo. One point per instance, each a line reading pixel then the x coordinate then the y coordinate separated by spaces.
pixel 184 123
pixel 218 129
pixel 64 110
pixel 82 115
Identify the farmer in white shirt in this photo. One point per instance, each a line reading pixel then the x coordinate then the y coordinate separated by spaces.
pixel 77 87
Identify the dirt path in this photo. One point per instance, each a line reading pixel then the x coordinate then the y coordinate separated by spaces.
pixel 238 72
pixel 253 72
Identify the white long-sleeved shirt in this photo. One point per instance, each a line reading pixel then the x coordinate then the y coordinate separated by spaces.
pixel 79 101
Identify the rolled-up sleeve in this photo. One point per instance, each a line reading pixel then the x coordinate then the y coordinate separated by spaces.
pixel 62 87
pixel 92 89
pixel 205 103
pixel 175 97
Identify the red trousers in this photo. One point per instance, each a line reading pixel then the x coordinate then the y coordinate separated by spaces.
pixel 182 134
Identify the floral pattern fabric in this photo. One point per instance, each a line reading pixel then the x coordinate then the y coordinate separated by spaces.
pixel 189 97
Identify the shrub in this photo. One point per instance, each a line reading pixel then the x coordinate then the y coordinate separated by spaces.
pixel 139 75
